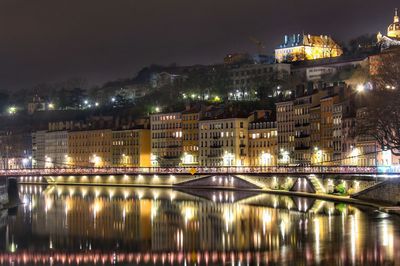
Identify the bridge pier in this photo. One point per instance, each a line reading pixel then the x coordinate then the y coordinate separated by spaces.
pixel 4 194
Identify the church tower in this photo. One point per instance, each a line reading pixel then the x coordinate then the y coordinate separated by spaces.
pixel 394 28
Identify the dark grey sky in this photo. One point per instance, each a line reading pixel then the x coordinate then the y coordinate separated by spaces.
pixel 53 40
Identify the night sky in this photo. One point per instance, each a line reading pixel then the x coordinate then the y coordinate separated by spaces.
pixel 54 40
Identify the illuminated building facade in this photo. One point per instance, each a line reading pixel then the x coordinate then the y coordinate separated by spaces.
pixel 315 137
pixel 299 47
pixel 393 34
pixel 302 137
pixel 38 149
pixel 263 143
pixel 190 136
pixel 223 141
pixel 90 148
pixel 166 139
pixel 327 104
pixel 56 149
pixel 286 132
pixel 245 77
pixel 131 148
pixel 394 28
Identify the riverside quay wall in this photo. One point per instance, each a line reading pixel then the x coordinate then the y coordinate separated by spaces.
pixel 386 192
pixel 323 184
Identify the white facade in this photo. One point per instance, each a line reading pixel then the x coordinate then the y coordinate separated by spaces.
pixel 56 149
pixel 166 139
pixel 38 149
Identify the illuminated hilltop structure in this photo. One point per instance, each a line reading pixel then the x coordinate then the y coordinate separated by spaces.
pixel 393 34
pixel 299 47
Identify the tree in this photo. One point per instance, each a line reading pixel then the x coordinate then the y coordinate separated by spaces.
pixel 3 101
pixel 362 43
pixel 220 82
pixel 382 116
pixel 198 82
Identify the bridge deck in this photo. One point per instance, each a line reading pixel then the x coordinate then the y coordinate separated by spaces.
pixel 202 170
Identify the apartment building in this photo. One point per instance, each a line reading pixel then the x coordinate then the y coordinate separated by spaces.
pixel 38 149
pixel 190 136
pixel 286 131
pixel 56 149
pixel 131 148
pixel 302 128
pixel 244 77
pixel 223 140
pixel 263 142
pixel 90 148
pixel 166 139
pixel 327 148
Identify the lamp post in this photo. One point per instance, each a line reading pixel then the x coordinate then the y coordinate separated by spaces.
pixel 265 159
pixel 318 156
pixel 285 156
pixel 228 159
pixel 96 160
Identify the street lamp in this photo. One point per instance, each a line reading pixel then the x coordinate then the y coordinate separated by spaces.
pixel 360 88
pixel 318 155
pixel 12 110
pixel 48 162
pixel 25 162
pixel 265 158
pixel 187 158
pixel 228 159
pixel 355 152
pixel 285 156
pixel 96 160
pixel 124 159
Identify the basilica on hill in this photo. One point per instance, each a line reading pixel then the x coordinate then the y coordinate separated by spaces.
pixel 393 34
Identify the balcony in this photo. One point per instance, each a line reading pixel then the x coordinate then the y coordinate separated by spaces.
pixel 302 125
pixel 173 146
pixel 302 136
pixel 216 146
pixel 302 148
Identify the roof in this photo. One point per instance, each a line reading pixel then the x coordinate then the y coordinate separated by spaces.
pixel 263 119
pixel 306 40
pixel 225 115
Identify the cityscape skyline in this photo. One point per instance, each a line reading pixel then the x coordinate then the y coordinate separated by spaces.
pixel 97 46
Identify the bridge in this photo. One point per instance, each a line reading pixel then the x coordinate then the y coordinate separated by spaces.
pixel 202 170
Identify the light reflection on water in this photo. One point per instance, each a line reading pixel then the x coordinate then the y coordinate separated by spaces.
pixel 142 226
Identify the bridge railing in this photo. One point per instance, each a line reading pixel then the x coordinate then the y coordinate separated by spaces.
pixel 201 170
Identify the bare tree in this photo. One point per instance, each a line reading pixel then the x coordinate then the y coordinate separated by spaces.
pixel 382 116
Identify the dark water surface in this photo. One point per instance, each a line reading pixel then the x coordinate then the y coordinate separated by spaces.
pixel 142 226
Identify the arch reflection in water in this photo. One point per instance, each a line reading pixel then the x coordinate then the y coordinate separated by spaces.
pixel 100 225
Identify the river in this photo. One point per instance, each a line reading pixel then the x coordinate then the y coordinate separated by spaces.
pixel 72 225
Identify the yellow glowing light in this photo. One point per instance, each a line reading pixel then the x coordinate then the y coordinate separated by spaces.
pixel 360 88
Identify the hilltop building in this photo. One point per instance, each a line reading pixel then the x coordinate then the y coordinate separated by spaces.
pixel 299 47
pixel 393 34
